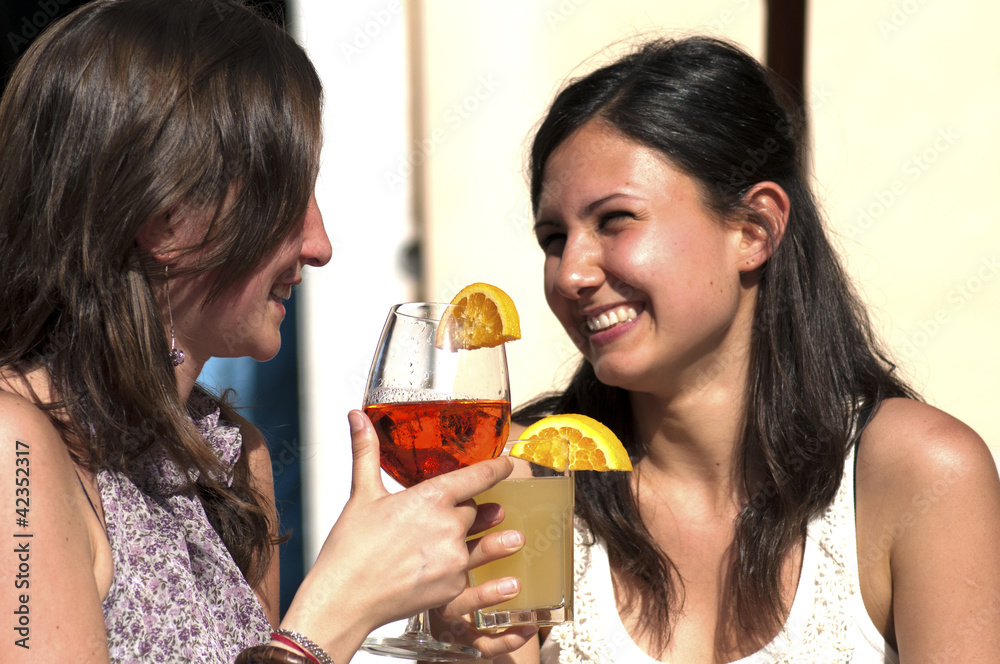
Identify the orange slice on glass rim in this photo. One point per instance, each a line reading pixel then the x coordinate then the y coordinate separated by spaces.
pixel 574 441
pixel 483 316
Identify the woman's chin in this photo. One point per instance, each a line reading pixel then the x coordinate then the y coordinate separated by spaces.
pixel 614 374
pixel 260 350
pixel 267 353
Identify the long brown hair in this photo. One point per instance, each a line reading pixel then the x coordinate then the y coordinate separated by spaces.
pixel 122 111
pixel 714 112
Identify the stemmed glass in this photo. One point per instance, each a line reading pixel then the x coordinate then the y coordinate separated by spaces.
pixel 435 409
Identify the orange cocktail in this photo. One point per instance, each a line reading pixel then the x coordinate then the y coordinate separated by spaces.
pixel 423 439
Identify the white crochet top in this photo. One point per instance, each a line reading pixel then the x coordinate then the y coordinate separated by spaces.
pixel 827 622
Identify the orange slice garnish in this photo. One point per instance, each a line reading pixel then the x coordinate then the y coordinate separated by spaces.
pixel 483 316
pixel 574 441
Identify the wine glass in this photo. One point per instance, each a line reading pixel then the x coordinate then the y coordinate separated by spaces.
pixel 435 409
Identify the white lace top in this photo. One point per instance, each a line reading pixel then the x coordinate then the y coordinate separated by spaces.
pixel 827 622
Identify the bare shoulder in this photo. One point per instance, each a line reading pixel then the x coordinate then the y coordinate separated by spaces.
pixel 908 443
pixel 19 414
pixel 49 529
pixel 28 434
pixel 31 440
pixel 915 459
pixel 928 525
pixel 36 460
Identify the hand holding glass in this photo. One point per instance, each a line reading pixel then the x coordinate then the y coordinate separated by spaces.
pixel 434 410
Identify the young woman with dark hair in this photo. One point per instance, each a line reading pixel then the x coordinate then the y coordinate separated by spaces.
pixel 792 499
pixel 157 164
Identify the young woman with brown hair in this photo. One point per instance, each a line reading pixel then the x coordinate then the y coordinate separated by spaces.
pixel 792 500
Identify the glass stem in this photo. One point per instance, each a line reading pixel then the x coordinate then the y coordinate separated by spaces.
pixel 417 625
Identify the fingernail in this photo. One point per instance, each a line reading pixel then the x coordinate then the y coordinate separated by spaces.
pixel 508 587
pixel 512 539
pixel 354 419
pixel 490 512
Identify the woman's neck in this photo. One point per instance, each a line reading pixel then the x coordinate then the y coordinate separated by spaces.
pixel 694 437
pixel 187 373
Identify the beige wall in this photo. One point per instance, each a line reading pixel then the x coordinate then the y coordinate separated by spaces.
pixel 906 100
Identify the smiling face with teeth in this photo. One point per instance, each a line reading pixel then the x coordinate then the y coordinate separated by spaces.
pixel 642 275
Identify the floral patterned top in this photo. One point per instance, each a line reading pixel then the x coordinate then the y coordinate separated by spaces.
pixel 827 623
pixel 177 595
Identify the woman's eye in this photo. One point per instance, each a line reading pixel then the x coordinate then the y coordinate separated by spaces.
pixel 612 217
pixel 551 243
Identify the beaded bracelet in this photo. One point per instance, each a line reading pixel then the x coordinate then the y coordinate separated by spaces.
pixel 267 654
pixel 315 653
pixel 281 638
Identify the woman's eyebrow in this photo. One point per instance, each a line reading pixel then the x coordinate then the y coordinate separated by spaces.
pixel 589 208
pixel 543 222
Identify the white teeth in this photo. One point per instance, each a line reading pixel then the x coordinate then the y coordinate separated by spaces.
pixel 611 318
pixel 281 292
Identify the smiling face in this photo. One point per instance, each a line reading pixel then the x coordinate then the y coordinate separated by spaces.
pixel 245 319
pixel 644 278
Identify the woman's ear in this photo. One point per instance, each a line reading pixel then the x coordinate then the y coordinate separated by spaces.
pixel 171 233
pixel 763 229
pixel 157 236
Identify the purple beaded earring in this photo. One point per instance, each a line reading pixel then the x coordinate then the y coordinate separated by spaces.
pixel 176 354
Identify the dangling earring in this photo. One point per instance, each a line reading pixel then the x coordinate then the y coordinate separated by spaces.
pixel 176 354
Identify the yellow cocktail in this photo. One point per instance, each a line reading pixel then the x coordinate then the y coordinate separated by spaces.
pixel 541 507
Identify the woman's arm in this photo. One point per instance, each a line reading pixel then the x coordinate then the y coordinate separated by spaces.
pixel 929 534
pixel 259 459
pixel 48 590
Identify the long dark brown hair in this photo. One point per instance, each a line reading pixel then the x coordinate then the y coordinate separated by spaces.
pixel 815 365
pixel 123 111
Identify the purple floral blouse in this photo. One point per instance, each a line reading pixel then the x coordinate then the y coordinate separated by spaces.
pixel 177 595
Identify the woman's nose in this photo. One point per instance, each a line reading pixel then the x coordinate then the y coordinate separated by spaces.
pixel 579 269
pixel 316 247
